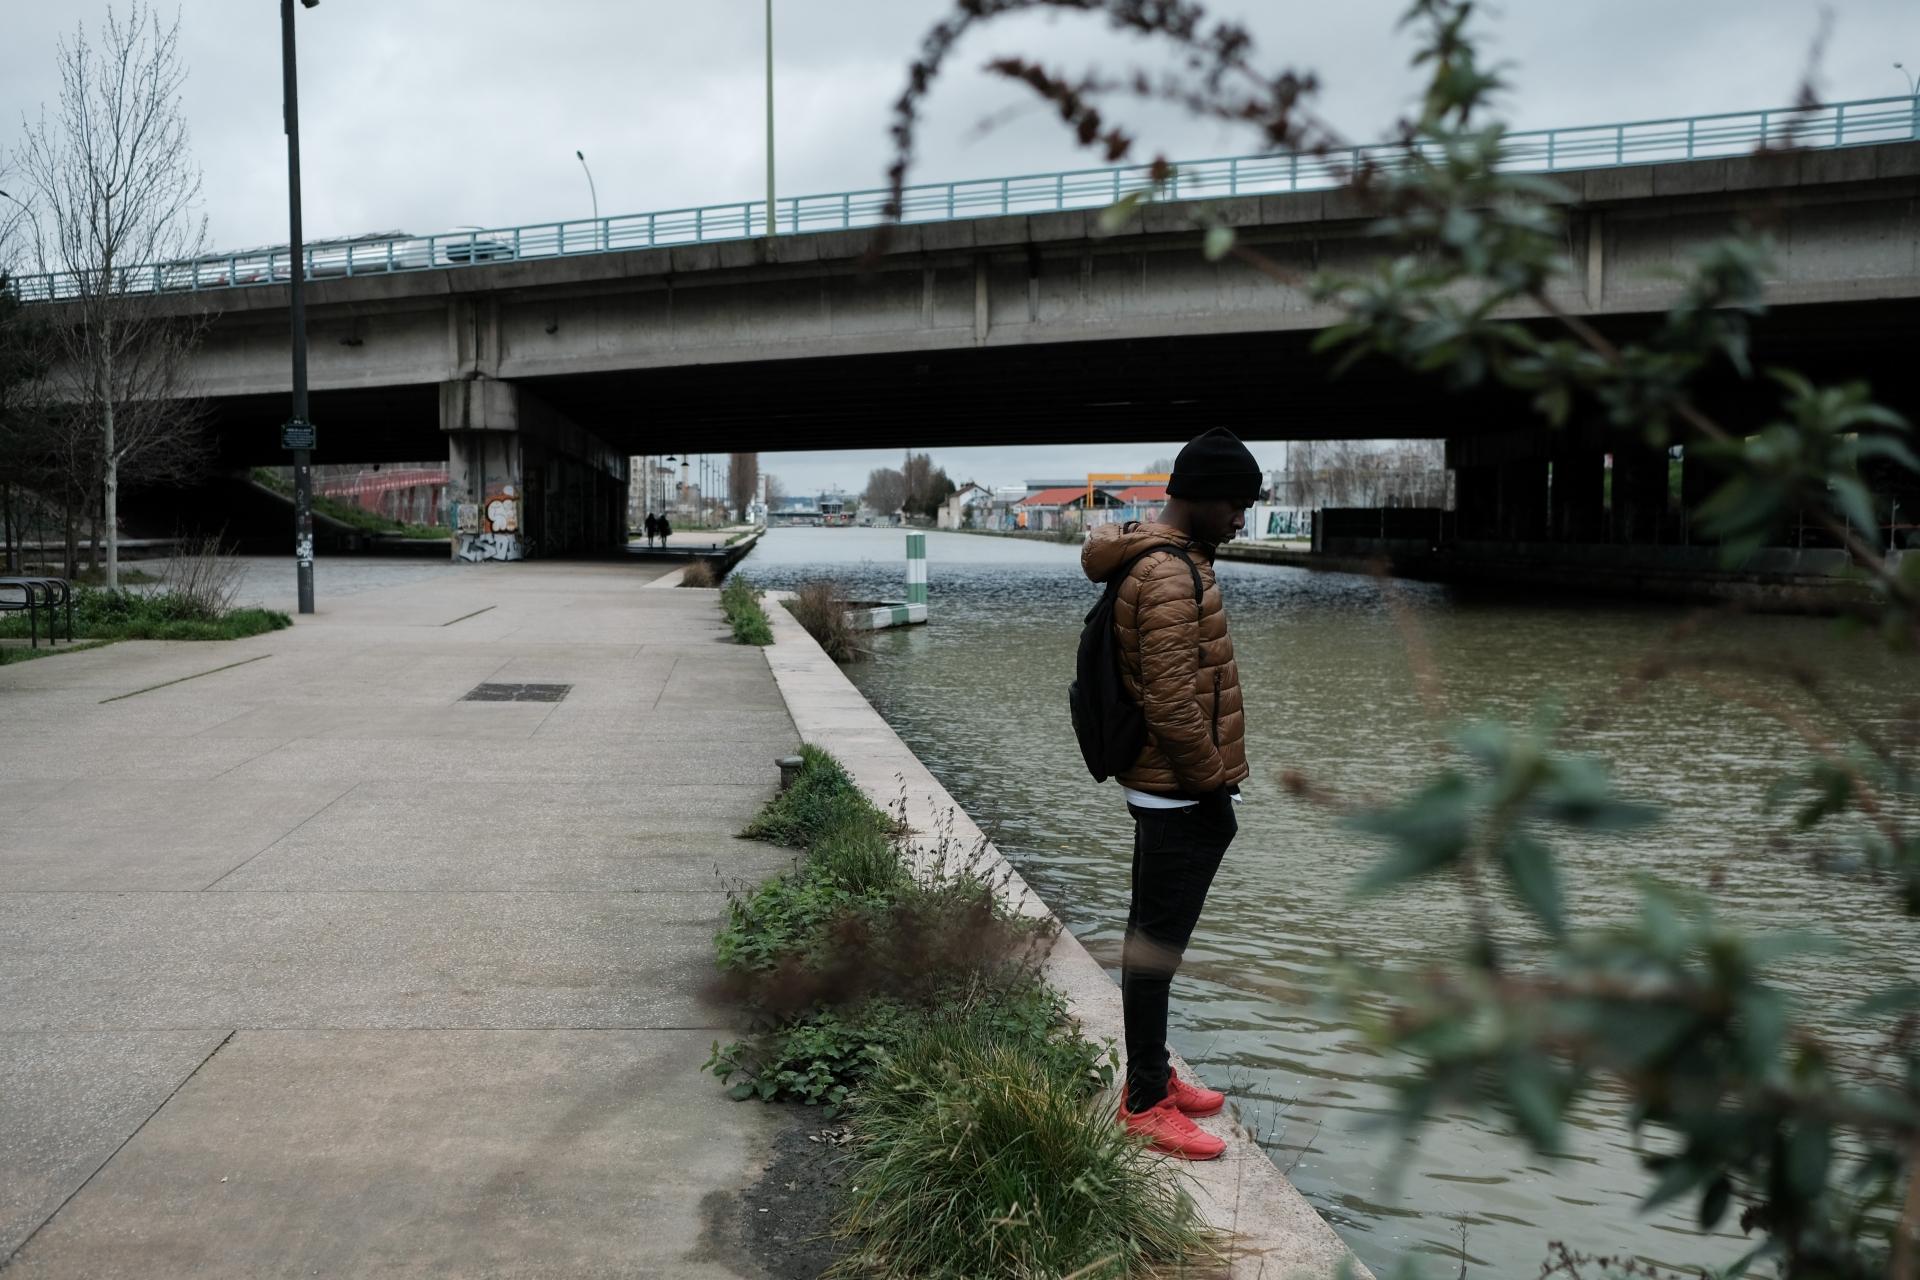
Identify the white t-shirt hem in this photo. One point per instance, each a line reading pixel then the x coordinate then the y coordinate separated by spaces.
pixel 1148 800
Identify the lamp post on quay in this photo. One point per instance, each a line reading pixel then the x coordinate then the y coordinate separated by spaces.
pixel 297 435
pixel 599 231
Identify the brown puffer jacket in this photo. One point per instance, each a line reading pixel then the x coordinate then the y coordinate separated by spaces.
pixel 1176 660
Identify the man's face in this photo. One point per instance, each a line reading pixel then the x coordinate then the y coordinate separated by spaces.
pixel 1219 519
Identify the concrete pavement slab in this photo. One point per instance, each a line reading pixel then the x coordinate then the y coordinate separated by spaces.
pixel 476 721
pixel 122 834
pixel 403 1154
pixel 624 748
pixel 96 754
pixel 496 835
pixel 550 869
pixel 67 1102
pixel 88 961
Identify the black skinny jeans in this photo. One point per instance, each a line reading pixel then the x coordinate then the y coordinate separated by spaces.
pixel 1175 853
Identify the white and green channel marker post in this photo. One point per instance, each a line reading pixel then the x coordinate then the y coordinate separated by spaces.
pixel 914 610
pixel 917 569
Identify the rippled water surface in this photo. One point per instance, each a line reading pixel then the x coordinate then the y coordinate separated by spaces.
pixel 980 695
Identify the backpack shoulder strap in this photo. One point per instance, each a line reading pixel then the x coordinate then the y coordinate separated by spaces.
pixel 1199 591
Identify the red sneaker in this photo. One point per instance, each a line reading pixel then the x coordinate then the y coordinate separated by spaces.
pixel 1169 1132
pixel 1193 1099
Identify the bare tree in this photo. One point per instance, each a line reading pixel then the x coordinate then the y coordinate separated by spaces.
pixel 886 490
pixel 776 492
pixel 743 481
pixel 116 190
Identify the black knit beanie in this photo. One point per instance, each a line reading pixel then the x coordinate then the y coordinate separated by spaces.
pixel 1215 465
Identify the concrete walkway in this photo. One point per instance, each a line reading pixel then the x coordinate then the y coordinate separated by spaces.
pixel 310 967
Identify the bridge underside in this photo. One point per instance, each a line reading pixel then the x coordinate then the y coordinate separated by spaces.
pixel 1053 330
pixel 1266 386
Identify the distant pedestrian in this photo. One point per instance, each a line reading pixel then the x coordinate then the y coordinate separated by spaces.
pixel 666 530
pixel 1175 664
pixel 653 527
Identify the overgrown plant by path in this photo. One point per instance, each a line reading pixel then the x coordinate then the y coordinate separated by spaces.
pixel 1811 1144
pixel 974 1161
pixel 820 607
pixel 740 602
pixel 984 1143
pixel 163 615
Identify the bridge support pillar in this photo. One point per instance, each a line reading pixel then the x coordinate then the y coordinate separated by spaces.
pixel 523 480
pixel 1579 491
pixel 1523 499
pixel 1698 480
pixel 1642 506
pixel 1500 486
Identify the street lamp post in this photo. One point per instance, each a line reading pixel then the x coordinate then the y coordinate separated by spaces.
pixel 1913 96
pixel 297 434
pixel 771 228
pixel 599 231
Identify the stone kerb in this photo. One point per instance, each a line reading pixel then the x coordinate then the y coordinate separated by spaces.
pixel 1277 1235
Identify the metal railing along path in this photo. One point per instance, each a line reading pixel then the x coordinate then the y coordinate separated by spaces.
pixel 1832 125
pixel 38 596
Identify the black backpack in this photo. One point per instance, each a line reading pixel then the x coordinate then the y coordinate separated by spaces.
pixel 1108 723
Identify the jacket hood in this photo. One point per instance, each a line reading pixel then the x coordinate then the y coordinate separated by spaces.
pixel 1112 545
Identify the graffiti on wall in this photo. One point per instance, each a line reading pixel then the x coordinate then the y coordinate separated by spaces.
pixel 495 527
pixel 474 547
pixel 503 512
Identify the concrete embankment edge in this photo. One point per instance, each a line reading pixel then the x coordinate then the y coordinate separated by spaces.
pixel 1277 1233
pixel 723 558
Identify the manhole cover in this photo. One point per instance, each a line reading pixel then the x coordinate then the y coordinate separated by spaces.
pixel 517 693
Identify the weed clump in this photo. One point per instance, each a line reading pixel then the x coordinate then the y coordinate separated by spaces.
pixel 698 573
pixel 821 608
pixel 821 801
pixel 902 988
pixel 740 602
pixel 976 1160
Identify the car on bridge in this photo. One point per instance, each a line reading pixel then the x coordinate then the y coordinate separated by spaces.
pixel 362 255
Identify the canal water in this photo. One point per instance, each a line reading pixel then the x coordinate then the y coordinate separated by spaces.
pixel 980 696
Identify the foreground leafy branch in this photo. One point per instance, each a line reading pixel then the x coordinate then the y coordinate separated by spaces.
pixel 1748 1110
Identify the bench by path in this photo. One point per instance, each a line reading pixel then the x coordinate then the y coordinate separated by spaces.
pixel 310 967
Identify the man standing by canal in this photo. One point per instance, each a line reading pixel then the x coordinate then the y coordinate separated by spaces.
pixel 1176 663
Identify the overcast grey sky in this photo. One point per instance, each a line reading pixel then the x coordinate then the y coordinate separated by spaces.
pixel 426 114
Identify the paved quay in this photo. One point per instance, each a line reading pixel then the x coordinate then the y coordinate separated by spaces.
pixel 308 966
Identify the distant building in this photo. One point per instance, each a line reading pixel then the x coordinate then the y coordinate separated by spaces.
pixel 1137 502
pixel 965 508
pixel 1049 509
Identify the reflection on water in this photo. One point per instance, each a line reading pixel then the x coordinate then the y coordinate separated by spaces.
pixel 980 695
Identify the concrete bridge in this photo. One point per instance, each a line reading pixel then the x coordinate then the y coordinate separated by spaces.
pixel 544 375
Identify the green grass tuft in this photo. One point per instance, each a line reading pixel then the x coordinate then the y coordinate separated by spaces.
pixel 740 602
pixel 822 800
pixel 165 615
pixel 970 1160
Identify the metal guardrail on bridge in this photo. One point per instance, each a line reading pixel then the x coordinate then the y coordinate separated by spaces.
pixel 1831 125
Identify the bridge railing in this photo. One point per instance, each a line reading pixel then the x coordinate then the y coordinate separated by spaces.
pixel 1840 124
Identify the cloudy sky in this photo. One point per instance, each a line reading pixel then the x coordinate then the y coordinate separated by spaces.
pixel 426 114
